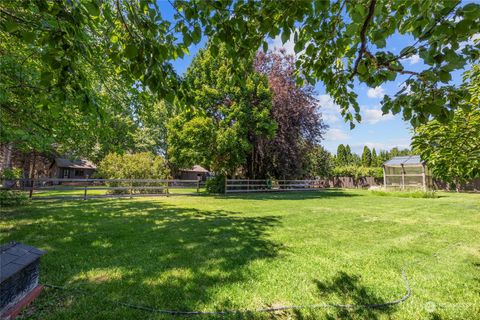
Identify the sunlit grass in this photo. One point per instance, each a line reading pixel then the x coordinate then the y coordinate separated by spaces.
pixel 254 251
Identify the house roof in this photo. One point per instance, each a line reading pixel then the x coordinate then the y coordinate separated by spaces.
pixel 76 164
pixel 196 168
pixel 404 160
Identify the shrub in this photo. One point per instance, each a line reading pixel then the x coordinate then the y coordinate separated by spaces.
pixel 405 194
pixel 10 173
pixel 13 198
pixel 215 184
pixel 358 172
pixel 143 165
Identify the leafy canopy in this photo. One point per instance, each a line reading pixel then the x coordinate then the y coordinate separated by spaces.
pixel 452 150
pixel 341 43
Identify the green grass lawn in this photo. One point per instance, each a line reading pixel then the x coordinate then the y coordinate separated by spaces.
pixel 255 251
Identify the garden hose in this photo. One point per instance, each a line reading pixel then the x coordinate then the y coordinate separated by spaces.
pixel 406 296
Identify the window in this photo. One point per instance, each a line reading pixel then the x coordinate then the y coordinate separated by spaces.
pixel 79 173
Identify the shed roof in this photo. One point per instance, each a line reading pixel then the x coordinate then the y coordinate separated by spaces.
pixel 15 256
pixel 196 168
pixel 404 160
pixel 77 164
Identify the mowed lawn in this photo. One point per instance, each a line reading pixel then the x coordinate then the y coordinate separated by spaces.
pixel 255 251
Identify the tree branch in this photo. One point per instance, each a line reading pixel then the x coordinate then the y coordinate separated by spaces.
pixel 363 38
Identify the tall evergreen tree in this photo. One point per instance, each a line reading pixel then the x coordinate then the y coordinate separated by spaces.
pixel 341 158
pixel 366 157
pixel 374 158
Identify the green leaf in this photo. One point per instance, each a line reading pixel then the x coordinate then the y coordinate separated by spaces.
pixel 130 51
pixel 408 50
pixel 298 47
pixel 197 34
pixel 93 8
pixel 362 68
pixel 265 46
pixel 28 36
pixel 444 76
pixel 285 37
pixel 11 26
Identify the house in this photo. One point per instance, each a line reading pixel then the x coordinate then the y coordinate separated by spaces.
pixel 195 173
pixel 72 169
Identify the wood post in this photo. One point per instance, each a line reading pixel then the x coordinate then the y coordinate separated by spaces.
pixel 32 175
pixel 424 180
pixel 384 178
pixel 403 178
pixel 198 185
pixel 85 192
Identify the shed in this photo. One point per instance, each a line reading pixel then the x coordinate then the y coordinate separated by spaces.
pixel 406 172
pixel 72 169
pixel 194 173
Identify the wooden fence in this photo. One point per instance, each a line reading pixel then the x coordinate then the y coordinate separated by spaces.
pixel 50 188
pixel 265 185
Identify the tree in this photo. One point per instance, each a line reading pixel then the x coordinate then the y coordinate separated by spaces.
pixel 38 115
pixel 366 157
pixel 341 43
pixel 375 162
pixel 320 162
pixel 452 150
pixel 295 110
pixel 219 129
pixel 350 158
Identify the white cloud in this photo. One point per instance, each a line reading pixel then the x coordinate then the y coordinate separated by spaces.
pixel 373 116
pixel 330 117
pixel 335 134
pixel 329 109
pixel 414 59
pixel 377 92
pixel 326 103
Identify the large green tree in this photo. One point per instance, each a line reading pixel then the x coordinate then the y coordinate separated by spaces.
pixel 452 150
pixel 226 114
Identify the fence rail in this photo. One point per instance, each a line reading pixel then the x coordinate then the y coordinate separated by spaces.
pixel 55 188
pixel 245 185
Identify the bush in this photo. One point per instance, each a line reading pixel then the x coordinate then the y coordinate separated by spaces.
pixel 405 194
pixel 13 198
pixel 10 174
pixel 215 184
pixel 142 165
pixel 358 172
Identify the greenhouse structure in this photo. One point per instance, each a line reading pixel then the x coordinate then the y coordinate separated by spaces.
pixel 407 172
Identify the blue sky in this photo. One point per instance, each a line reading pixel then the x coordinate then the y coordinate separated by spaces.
pixel 376 130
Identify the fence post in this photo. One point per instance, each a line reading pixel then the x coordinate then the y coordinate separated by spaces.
pixel 32 183
pixel 85 192
pixel 168 192
pixel 198 185
pixel 225 191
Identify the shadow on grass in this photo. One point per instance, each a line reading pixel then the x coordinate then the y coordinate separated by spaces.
pixel 143 252
pixel 349 288
pixel 291 195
